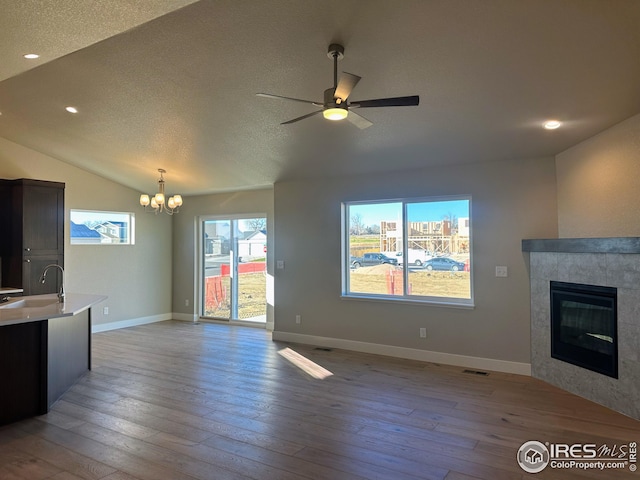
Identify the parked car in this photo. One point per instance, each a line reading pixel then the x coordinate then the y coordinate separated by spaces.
pixel 444 263
pixel 416 256
pixel 370 259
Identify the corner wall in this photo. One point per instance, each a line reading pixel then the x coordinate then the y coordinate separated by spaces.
pixel 599 184
pixel 510 201
pixel 136 278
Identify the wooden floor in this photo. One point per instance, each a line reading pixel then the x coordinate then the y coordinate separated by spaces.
pixel 177 401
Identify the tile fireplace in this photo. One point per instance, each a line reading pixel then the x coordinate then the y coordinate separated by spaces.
pixel 585 318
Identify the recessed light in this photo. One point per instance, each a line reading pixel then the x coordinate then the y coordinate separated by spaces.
pixel 71 109
pixel 31 56
pixel 552 124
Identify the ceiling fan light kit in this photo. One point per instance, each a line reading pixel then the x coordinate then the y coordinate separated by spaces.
pixel 336 105
pixel 335 113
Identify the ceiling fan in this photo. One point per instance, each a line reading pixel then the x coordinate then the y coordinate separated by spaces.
pixel 336 105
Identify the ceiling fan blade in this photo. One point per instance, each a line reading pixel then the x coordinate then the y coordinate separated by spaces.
pixel 308 102
pixel 302 117
pixel 387 102
pixel 347 83
pixel 358 120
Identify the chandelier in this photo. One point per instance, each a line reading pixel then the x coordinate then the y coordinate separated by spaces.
pixel 158 201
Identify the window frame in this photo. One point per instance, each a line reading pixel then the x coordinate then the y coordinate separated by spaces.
pixel 455 302
pixel 131 227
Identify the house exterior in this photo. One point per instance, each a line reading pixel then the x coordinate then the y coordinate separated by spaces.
pixel 253 245
pixel 82 234
pixel 112 232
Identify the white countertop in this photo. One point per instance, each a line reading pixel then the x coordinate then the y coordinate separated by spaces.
pixel 7 290
pixel 43 307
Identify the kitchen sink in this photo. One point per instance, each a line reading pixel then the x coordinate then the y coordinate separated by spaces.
pixel 29 303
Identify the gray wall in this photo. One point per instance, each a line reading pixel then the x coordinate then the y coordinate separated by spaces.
pixel 185 255
pixel 599 184
pixel 510 201
pixel 136 278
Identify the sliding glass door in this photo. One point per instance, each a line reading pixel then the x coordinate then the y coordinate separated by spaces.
pixel 233 282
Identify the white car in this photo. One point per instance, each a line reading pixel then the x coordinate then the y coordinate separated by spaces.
pixel 416 256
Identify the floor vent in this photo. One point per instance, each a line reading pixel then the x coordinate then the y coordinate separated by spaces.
pixel 324 349
pixel 475 372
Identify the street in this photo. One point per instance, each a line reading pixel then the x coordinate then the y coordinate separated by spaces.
pixel 212 264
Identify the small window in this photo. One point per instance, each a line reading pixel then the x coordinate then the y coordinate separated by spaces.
pixel 101 228
pixel 408 249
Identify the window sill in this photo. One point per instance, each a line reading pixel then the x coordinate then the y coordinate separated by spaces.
pixel 446 303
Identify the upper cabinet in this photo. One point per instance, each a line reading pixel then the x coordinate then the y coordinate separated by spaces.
pixel 32 233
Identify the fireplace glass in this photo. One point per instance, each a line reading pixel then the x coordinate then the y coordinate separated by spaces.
pixel 584 326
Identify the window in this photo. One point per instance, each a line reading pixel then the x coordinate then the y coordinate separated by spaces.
pixel 408 249
pixel 101 228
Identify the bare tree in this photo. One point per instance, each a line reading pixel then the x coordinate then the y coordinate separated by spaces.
pixel 373 229
pixel 357 224
pixel 257 224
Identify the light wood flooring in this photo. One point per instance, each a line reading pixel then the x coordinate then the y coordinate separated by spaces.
pixel 179 401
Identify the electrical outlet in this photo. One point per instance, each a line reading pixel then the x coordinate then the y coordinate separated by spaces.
pixel 298 320
pixel 280 264
pixel 423 332
pixel 501 272
pixel 186 302
pixel 105 310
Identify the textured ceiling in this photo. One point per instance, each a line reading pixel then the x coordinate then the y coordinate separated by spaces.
pixel 177 90
pixel 54 28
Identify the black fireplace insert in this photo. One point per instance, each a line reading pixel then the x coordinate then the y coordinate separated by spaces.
pixel 584 326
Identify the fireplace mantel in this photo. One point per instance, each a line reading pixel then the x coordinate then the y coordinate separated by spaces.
pixel 583 245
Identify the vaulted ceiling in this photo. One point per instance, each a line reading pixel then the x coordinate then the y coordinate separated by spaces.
pixel 172 83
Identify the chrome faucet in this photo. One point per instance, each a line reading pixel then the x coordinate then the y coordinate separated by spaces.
pixel 44 277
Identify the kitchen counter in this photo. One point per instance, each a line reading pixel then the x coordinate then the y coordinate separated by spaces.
pixel 45 307
pixel 45 347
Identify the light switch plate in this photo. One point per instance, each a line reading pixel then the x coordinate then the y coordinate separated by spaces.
pixel 280 264
pixel 501 272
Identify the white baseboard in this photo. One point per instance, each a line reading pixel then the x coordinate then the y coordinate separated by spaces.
pixel 408 353
pixel 104 327
pixel 185 317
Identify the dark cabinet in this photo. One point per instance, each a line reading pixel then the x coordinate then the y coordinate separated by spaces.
pixel 39 361
pixel 32 234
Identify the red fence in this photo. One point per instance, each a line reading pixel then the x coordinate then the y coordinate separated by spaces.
pixel 215 287
pixel 215 292
pixel 251 267
pixel 395 282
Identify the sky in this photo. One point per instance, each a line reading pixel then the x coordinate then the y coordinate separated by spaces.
pixel 82 216
pixel 372 214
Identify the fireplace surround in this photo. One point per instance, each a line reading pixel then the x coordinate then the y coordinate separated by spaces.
pixel 601 262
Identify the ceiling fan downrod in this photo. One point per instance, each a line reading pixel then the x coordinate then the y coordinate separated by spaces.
pixel 335 52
